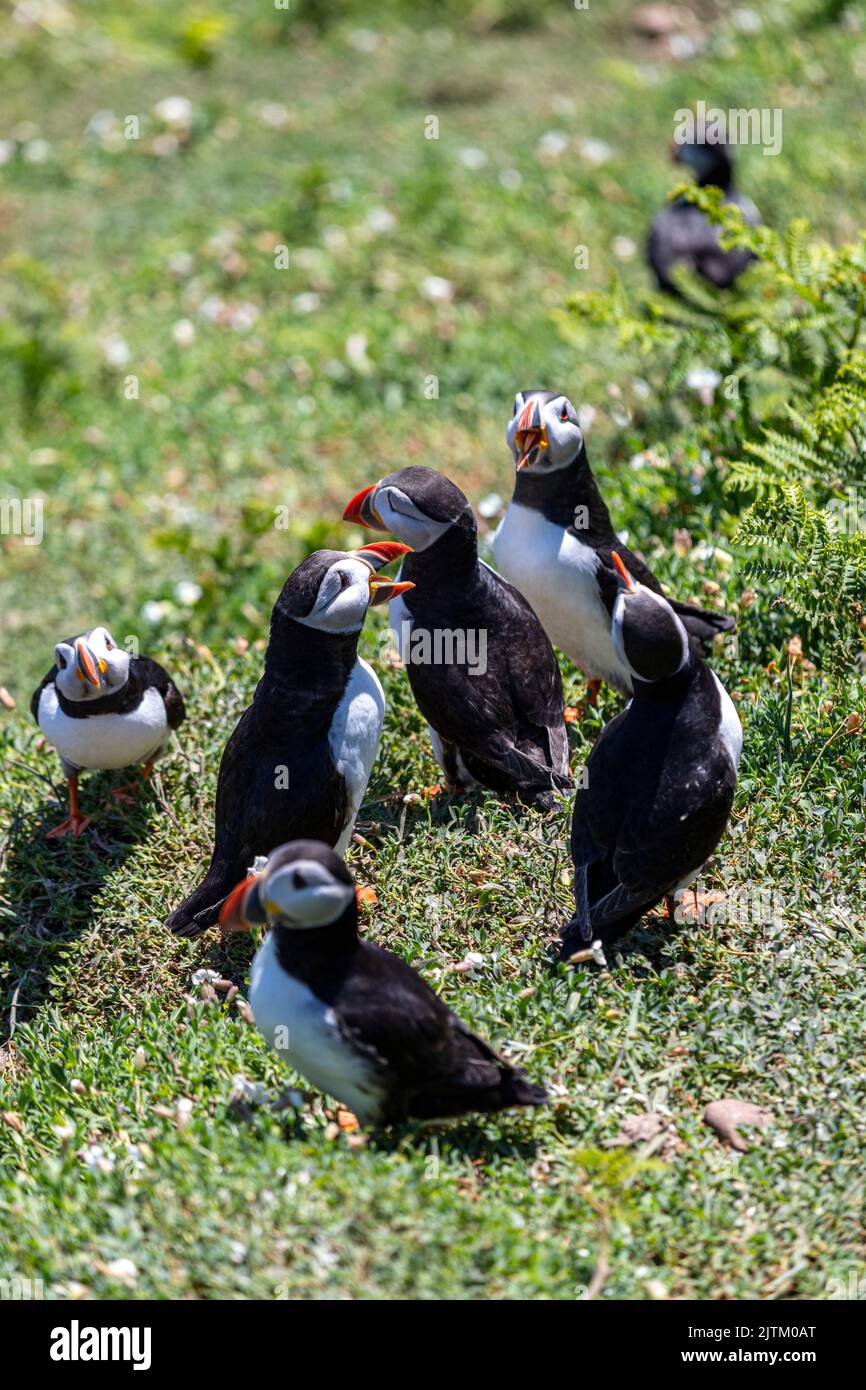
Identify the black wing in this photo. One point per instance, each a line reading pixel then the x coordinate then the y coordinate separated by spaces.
pixel 433 1064
pixel 507 721
pixel 151 673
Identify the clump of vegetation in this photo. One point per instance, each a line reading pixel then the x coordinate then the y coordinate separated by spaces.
pixel 784 390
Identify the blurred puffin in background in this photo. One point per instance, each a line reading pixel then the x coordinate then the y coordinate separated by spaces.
pixel 682 235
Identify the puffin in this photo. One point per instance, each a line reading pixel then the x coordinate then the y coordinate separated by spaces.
pixel 556 542
pixel 682 235
pixel 482 671
pixel 356 1021
pixel 299 758
pixel 102 708
pixel 660 780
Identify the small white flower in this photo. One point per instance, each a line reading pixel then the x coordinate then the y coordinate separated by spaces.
pixel 595 151
pixel 703 380
pixel 237 1252
pixel 356 352
pixel 598 954
pixel 115 352
pixel 181 264
pixel 183 332
pixel 490 506
pixel 101 123
pixel 96 1159
pixel 187 592
pixel 175 112
pixel 211 308
pixel 624 248
pixel 124 1270
pixel 164 146
pixel 241 317
pixel 511 179
pixel 153 611
pixel 36 151
pixel 274 114
pixel 7 151
pixel 471 157
pixel 306 303
pixel 251 1092
pixel 437 290
pixel 747 21
pixel 552 144
pixel 200 977
pixel 364 40
pixel 380 220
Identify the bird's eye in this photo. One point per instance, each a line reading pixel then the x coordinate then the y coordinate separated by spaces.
pixel 61 662
pixel 109 645
pixel 298 880
pixel 345 581
pixel 563 414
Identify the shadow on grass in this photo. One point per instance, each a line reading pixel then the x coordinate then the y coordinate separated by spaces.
pixel 468 1136
pixel 48 887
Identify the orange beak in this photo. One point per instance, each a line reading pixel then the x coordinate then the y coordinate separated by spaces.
pixel 379 553
pixel 623 573
pixel 529 436
pixel 86 665
pixel 361 509
pixel 232 913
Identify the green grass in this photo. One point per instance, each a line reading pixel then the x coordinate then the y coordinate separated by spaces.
pixel 182 483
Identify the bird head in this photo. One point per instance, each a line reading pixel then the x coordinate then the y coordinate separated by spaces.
pixel 646 633
pixel 417 504
pixel 304 885
pixel 543 432
pixel 332 589
pixel 90 666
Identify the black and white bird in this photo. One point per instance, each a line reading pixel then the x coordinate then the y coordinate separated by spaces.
pixel 357 1021
pixel 683 236
pixel 480 666
pixel 556 541
pixel 300 756
pixel 102 708
pixel 660 780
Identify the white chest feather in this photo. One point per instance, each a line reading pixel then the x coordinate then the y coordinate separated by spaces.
pixel 105 740
pixel 730 729
pixel 354 738
pixel 305 1033
pixel 556 572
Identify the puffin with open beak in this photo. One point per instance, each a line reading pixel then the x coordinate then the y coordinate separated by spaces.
pixel 556 542
pixel 660 780
pixel 300 756
pixel 102 708
pixel 480 666
pixel 357 1021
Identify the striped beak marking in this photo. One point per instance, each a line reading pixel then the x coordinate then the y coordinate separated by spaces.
pixel 361 509
pixel 530 435
pixel 377 554
pixel 623 573
pixel 85 664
